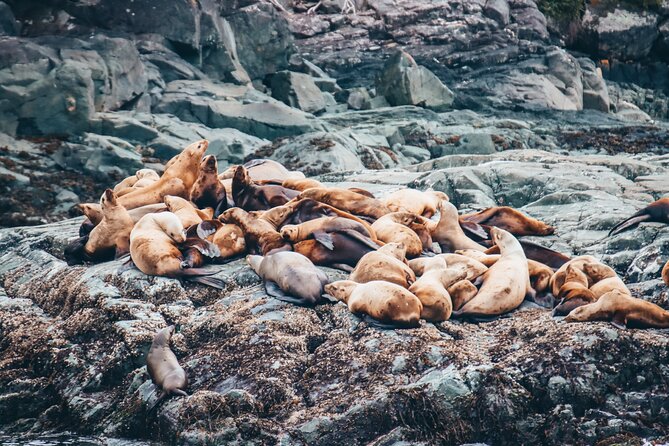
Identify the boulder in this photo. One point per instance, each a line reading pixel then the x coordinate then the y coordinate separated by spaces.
pixel 297 90
pixel 595 91
pixel 497 10
pixel 624 34
pixel 8 24
pixel 403 82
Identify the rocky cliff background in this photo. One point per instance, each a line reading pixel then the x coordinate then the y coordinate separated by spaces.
pixel 557 108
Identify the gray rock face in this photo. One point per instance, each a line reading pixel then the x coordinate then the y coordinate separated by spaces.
pixel 8 24
pixel 297 90
pixel 403 82
pixel 624 34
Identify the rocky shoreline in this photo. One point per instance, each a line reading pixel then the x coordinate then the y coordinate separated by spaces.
pixel 507 109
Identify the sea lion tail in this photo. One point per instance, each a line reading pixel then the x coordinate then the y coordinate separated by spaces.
pixel 628 223
pixel 213 282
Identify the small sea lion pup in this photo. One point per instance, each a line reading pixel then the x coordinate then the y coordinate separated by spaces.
pixel 657 211
pixel 164 368
pixel 154 250
pixel 623 311
pixel 394 227
pixel 510 220
pixel 208 191
pixel 348 201
pixel 258 232
pixel 252 197
pixel 111 237
pixel 448 233
pixel 415 201
pixel 432 289
pixel 290 277
pixel 178 178
pixel 390 305
pixel 505 284
pixel 387 264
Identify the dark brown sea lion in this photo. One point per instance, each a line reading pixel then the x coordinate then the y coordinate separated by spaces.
pixel 164 368
pixel 258 232
pixel 348 247
pixel 290 276
pixel 657 211
pixel 348 201
pixel 251 197
pixel 208 191
pixel 320 229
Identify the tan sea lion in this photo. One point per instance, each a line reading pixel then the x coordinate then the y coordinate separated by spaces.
pixel 657 211
pixel 164 368
pixel 509 219
pixel 623 311
pixel 558 278
pixel 145 177
pixel 461 292
pixel 348 201
pixel 386 263
pixel 228 238
pixel 390 304
pixel 178 179
pixel 505 284
pixel 432 289
pixel 301 184
pixel 186 211
pixel 258 232
pixel 320 228
pixel 393 227
pixel 362 192
pixel 603 279
pixel 574 292
pixel 415 201
pixel 448 233
pixel 473 267
pixel 208 191
pixel 290 276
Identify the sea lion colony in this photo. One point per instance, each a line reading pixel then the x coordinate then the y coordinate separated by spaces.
pixel 175 223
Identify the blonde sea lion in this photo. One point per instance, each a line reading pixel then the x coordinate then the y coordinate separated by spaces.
pixel 509 219
pixel 558 278
pixel 347 201
pixel 145 177
pixel 208 191
pixel 448 233
pixel 623 311
pixel 603 279
pixel 186 211
pixel 415 201
pixel 461 292
pixel 574 292
pixel 290 277
pixel 178 178
pixel 505 284
pixel 657 211
pixel 390 304
pixel 393 227
pixel 432 289
pixel 386 263
pixel 164 368
pixel 258 232
pixel 473 267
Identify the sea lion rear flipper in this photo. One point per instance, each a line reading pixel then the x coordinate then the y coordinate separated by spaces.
pixel 273 289
pixel 425 253
pixel 329 299
pixel 179 392
pixel 324 239
pixel 343 267
pixel 358 236
pixel 383 325
pixel 206 228
pixel 204 246
pixel 474 230
pixel 213 282
pixel 629 223
pixel 619 321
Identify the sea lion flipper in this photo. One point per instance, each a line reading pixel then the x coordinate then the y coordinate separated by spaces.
pixel 383 325
pixel 179 392
pixel 474 230
pixel 254 162
pixel 213 282
pixel 358 236
pixel 324 239
pixel 425 253
pixel 273 289
pixel 343 267
pixel 628 223
pixel 619 321
pixel 206 228
pixel 204 246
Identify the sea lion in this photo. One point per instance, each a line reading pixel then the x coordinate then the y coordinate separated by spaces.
pixel 448 233
pixel 386 263
pixel 178 179
pixel 574 292
pixel 258 232
pixel 111 237
pixel 461 292
pixel 623 311
pixel 657 211
pixel 320 228
pixel 164 368
pixel 154 250
pixel 228 238
pixel 348 247
pixel 290 276
pixel 208 191
pixel 558 278
pixel 393 227
pixel 301 184
pixel 390 304
pixel 538 253
pixel 186 211
pixel 603 279
pixel 362 192
pixel 665 274
pixel 144 177
pixel 473 267
pixel 505 284
pixel 509 219
pixel 348 201
pixel 251 197
pixel 93 212
pixel 415 201
pixel 431 289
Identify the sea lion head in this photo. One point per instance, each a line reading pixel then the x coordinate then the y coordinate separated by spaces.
pixel 233 214
pixel 289 232
pixel 108 199
pixel 92 211
pixel 147 173
pixel 254 262
pixel 228 173
pixel 597 272
pixel 195 150
pixel 441 196
pixel 171 225
pixel 174 203
pixel 209 164
pixel 277 215
pixel 341 289
pixel 241 176
pixel 163 336
pixel 448 212
pixel 505 240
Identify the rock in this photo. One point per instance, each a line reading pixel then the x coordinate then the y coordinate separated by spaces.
pixel 403 82
pixel 631 112
pixel 8 24
pixel 624 34
pixel 497 10
pixel 359 99
pixel 595 92
pixel 297 90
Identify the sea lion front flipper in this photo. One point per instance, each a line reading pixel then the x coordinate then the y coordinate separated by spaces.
pixel 474 230
pixel 358 236
pixel 627 224
pixel 273 289
pixel 324 239
pixel 619 321
pixel 213 282
pixel 206 228
pixel 204 246
pixel 343 267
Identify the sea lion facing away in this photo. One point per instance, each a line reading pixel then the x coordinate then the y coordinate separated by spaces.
pixel 208 191
pixel 164 368
pixel 290 276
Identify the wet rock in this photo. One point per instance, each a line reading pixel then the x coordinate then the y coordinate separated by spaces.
pixel 403 82
pixel 297 90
